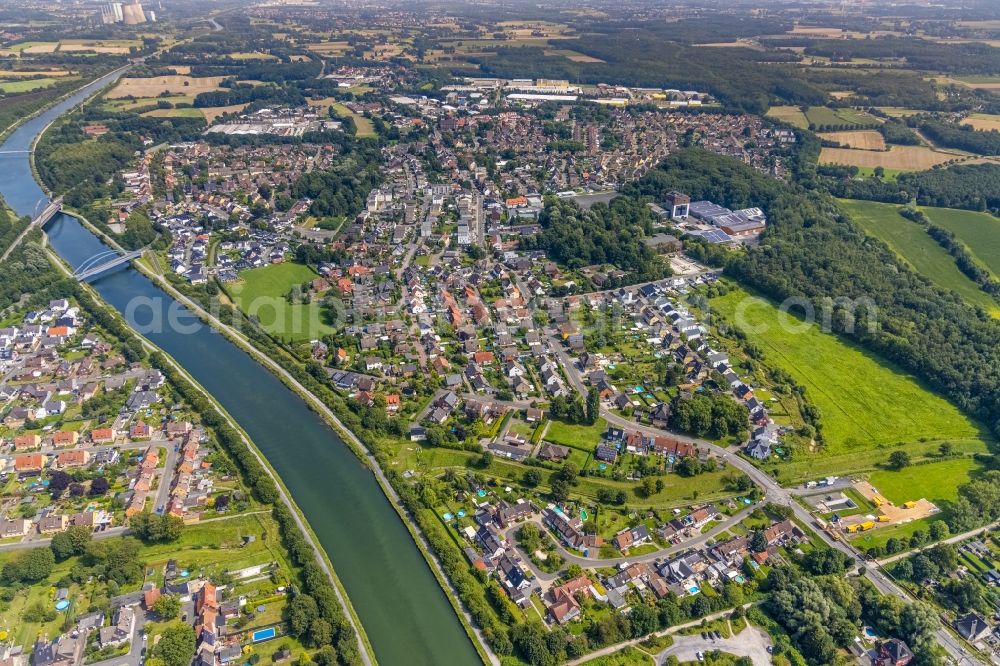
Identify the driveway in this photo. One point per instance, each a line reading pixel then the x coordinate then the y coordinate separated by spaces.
pixel 751 642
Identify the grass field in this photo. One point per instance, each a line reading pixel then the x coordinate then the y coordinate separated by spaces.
pixel 261 293
pixel 902 531
pixel 983 121
pixel 980 231
pixel 364 126
pixel 156 85
pixel 789 114
pixel 864 402
pixel 186 112
pixel 860 139
pixel 901 158
pixel 583 437
pixel 936 481
pixel 26 85
pixel 915 247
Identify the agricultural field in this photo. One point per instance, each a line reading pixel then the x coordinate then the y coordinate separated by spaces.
pixel 213 112
pixel 24 73
pixel 128 103
pixel 822 115
pixel 912 243
pixel 898 111
pixel 157 85
pixel 980 231
pixel 984 122
pixel 186 112
pixel 329 48
pixel 261 292
pixel 572 55
pixel 106 46
pixel 900 158
pixel 859 139
pixel 864 401
pixel 991 83
pixel 790 114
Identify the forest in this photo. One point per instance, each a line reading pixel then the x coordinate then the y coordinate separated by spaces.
pixel 922 54
pixel 605 234
pixel 968 186
pixel 950 135
pixel 648 58
pixel 812 250
pixel 341 190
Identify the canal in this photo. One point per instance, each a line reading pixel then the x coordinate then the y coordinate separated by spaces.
pixel 403 609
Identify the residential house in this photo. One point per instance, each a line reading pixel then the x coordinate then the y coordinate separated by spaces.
pixel 121 631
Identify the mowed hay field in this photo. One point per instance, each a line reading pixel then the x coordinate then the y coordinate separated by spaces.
pixel 980 231
pixel 864 401
pixel 860 139
pixel 983 121
pixel 157 85
pixel 899 158
pixel 912 243
pixel 790 114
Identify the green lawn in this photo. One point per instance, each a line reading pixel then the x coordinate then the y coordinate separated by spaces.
pixel 583 437
pixel 936 481
pixel 26 85
pixel 911 242
pixel 980 231
pixel 261 293
pixel 864 401
pixel 879 536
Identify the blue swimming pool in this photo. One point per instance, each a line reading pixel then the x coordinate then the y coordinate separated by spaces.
pixel 263 634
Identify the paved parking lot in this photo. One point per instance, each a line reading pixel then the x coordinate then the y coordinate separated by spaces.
pixel 751 642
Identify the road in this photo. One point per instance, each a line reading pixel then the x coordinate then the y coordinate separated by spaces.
pixel 50 209
pixel 572 558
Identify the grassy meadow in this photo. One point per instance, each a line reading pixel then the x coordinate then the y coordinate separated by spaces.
pixel 261 292
pixel 980 231
pixel 865 403
pixel 912 243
